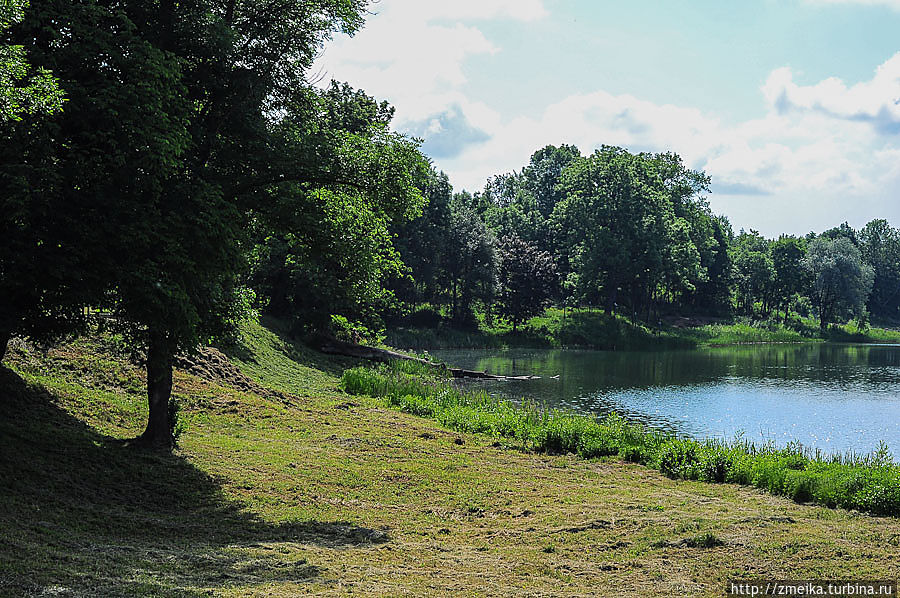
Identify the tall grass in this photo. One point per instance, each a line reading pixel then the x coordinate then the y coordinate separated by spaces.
pixel 868 483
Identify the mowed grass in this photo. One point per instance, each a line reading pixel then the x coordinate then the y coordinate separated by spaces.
pixel 313 491
pixel 865 482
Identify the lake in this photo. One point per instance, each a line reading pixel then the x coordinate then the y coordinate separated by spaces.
pixel 833 397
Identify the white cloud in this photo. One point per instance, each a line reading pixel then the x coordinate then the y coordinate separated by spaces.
pixel 875 101
pixel 817 150
pixel 412 52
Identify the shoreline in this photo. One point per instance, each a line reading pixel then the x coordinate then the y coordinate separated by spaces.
pixel 600 331
pixel 869 483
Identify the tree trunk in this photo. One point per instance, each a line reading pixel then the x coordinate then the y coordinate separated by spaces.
pixel 159 391
pixel 4 342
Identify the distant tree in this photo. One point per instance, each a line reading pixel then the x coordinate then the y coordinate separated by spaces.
pixel 540 177
pixel 880 246
pixel 714 292
pixel 754 271
pixel 521 203
pixel 630 225
pixel 526 280
pixel 790 276
pixel 423 244
pixel 843 231
pixel 841 280
pixel 472 264
pixel 682 268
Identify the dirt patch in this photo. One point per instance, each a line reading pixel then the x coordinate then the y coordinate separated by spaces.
pixel 213 366
pixel 690 322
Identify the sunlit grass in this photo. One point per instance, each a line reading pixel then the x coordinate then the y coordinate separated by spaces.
pixel 864 482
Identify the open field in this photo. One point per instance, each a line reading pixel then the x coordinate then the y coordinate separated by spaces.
pixel 284 485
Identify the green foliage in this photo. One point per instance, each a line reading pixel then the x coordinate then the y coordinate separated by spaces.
pixel 527 278
pixel 841 280
pixel 473 260
pixel 637 228
pixel 24 90
pixel 870 483
pixel 601 330
pixel 327 247
pixel 790 276
pixel 170 149
pixel 880 247
pixel 353 332
pixel 177 422
pixel 754 272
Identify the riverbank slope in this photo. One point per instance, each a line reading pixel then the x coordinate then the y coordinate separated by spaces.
pixel 595 329
pixel 282 485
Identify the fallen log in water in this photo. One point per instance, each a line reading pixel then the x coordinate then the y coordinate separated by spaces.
pixel 333 346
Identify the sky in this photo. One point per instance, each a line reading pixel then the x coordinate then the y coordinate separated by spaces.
pixel 792 107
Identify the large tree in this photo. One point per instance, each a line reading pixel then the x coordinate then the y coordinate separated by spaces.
pixel 169 149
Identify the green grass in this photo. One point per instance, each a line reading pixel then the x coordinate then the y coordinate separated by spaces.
pixel 740 333
pixel 868 483
pixel 284 485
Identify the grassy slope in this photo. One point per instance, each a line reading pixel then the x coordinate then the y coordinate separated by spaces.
pixel 331 494
pixel 599 330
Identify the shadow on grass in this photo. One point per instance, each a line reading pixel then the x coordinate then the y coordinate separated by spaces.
pixel 84 514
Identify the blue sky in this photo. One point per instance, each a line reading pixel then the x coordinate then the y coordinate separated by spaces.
pixel 791 106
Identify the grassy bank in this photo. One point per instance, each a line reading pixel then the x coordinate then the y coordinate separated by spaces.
pixel 868 483
pixel 600 330
pixel 284 485
pixel 555 328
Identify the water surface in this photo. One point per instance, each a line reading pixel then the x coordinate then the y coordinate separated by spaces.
pixel 833 397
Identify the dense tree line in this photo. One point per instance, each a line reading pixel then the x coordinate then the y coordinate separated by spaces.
pixel 170 165
pixel 633 234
